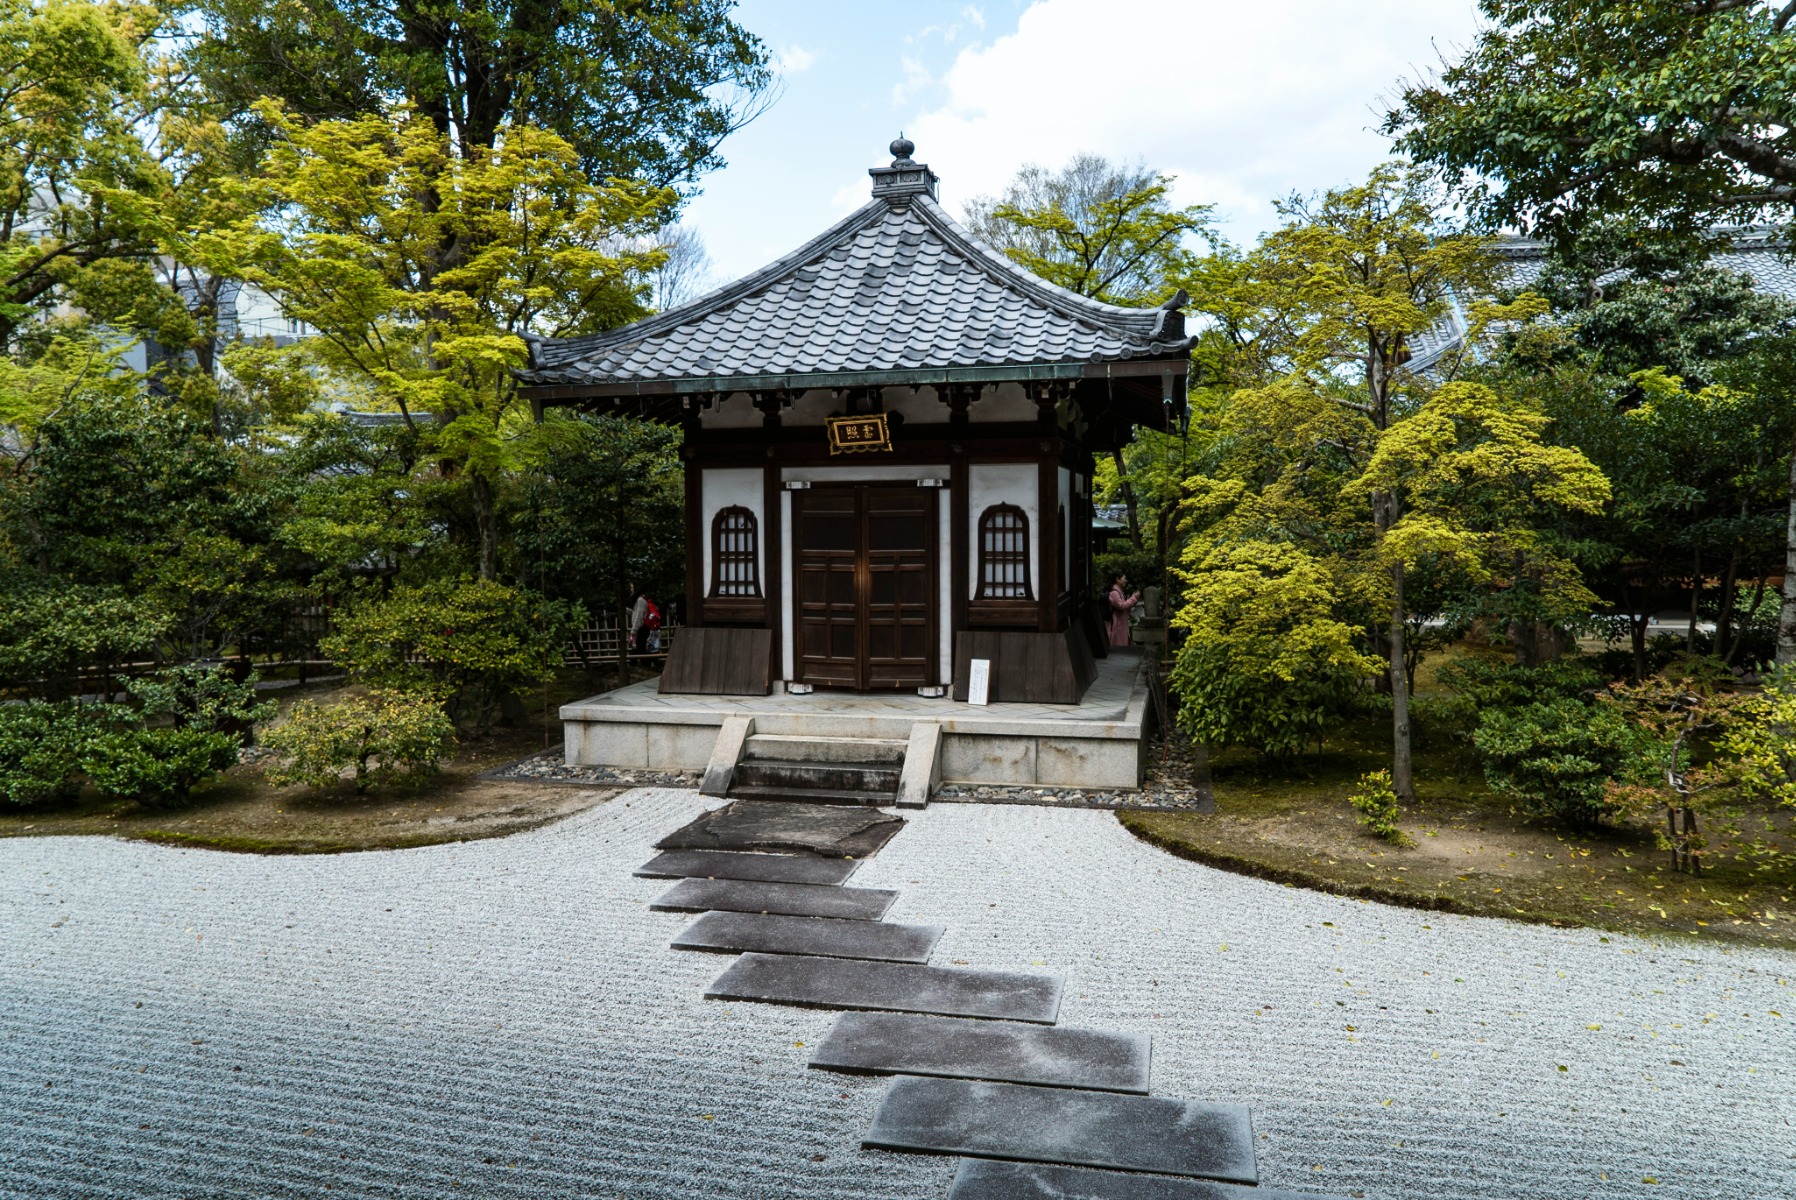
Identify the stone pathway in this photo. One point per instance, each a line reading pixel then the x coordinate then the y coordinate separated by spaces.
pixel 981 1068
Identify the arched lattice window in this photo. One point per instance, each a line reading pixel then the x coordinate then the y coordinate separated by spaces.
pixel 734 541
pixel 1003 553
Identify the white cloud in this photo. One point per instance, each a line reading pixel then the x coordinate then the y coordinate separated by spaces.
pixel 793 59
pixel 1244 103
pixel 916 78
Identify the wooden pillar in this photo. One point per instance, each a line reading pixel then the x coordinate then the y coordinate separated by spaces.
pixel 960 548
pixel 1048 531
pixel 695 517
pixel 771 541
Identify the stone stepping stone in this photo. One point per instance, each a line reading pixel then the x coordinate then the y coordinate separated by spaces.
pixel 983 1179
pixel 901 1044
pixel 1057 1125
pixel 736 932
pixel 791 899
pixel 893 987
pixel 778 826
pixel 735 864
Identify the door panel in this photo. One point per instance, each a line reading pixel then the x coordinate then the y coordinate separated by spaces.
pixel 827 535
pixel 900 524
pixel 865 558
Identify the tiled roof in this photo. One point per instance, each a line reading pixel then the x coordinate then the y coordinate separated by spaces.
pixel 1754 253
pixel 897 286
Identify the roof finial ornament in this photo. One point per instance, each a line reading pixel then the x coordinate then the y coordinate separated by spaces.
pixel 906 177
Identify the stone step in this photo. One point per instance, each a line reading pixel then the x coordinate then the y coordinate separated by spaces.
pixel 985 1179
pixel 796 748
pixel 790 899
pixel 739 932
pixel 829 830
pixel 902 1044
pixel 783 794
pixel 1062 1126
pixel 827 776
pixel 890 987
pixel 735 864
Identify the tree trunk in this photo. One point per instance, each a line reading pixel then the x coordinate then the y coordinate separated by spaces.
pixel 486 523
pixel 1695 598
pixel 1786 619
pixel 1128 495
pixel 1724 621
pixel 1758 595
pixel 1402 776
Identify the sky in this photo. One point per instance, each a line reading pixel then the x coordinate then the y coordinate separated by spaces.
pixel 1242 102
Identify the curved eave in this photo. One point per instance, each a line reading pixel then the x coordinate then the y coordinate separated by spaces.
pixel 1167 359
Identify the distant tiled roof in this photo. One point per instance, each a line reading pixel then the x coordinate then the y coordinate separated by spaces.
pixel 1754 253
pixel 897 286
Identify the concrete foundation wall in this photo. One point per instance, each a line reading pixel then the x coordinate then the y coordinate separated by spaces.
pixel 653 747
pixel 965 758
pixel 1047 761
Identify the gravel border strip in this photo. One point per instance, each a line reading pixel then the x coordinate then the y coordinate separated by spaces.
pixel 545 766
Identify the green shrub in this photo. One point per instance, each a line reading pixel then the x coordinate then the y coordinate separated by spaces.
pixel 48 750
pixel 1558 757
pixel 158 768
pixel 468 642
pixel 49 630
pixel 41 747
pixel 1265 663
pixel 201 697
pixel 385 737
pixel 1376 800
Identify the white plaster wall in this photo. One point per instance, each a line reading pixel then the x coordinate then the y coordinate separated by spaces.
pixel 735 411
pixel 723 488
pixel 1003 483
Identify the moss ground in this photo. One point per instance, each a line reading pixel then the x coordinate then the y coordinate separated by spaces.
pixel 242 811
pixel 1473 853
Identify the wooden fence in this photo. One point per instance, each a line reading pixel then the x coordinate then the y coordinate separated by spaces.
pixel 596 645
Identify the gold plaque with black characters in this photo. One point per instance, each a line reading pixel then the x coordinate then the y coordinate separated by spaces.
pixel 849 435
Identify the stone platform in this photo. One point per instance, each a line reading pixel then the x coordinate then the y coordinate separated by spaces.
pixel 1096 743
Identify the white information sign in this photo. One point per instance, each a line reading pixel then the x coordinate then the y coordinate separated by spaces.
pixel 979 683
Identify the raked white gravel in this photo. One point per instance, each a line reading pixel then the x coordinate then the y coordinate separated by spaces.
pixel 504 1019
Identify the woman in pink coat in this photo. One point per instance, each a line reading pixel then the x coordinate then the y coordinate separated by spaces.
pixel 1120 604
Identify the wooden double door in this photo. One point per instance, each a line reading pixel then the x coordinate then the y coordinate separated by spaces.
pixel 867 601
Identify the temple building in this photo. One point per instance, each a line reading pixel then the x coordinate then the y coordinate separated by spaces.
pixel 889 438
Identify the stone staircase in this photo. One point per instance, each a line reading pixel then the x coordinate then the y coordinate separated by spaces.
pixel 819 770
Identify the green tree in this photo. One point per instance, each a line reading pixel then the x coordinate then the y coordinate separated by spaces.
pixel 1370 464
pixel 1108 231
pixel 640 89
pixel 71 81
pixel 601 505
pixel 1674 113
pixel 423 271
pixel 1662 119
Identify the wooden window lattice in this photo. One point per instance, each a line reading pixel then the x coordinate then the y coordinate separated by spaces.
pixel 1003 553
pixel 734 571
